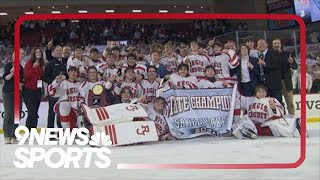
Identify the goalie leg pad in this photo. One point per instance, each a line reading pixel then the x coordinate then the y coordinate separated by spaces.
pixel 244 128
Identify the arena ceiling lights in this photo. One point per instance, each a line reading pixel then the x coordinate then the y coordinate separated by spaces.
pixel 136 11
pixel 163 11
pixel 109 11
pixel 188 12
pixel 55 12
pixel 3 14
pixel 29 12
pixel 83 11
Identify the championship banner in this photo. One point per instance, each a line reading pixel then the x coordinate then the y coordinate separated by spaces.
pixel 192 113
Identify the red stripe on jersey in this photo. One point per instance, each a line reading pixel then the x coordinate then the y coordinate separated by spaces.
pixel 141 68
pixel 114 134
pixel 105 112
pixel 99 115
pixel 102 113
pixel 83 84
pixel 237 112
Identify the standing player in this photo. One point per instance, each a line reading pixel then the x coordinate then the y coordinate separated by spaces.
pixel 209 81
pixel 78 62
pixel 139 70
pixel 223 62
pixel 169 59
pixel 108 68
pixel 196 60
pixel 150 85
pixel 182 79
pixel 129 80
pixel 68 92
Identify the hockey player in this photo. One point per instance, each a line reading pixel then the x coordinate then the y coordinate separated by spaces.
pixel 68 93
pixel 182 79
pixel 196 60
pixel 209 81
pixel 155 114
pixel 86 86
pixel 108 68
pixel 151 84
pixel 139 70
pixel 264 117
pixel 223 62
pixel 129 80
pixel 170 60
pixel 78 61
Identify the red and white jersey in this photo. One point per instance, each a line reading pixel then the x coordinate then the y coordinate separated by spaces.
pixel 120 63
pixel 222 64
pixel 259 110
pixel 135 88
pixel 159 120
pixel 138 69
pixel 149 89
pixel 95 63
pixel 204 83
pixel 66 91
pixel 197 64
pixel 170 62
pixel 106 73
pixel 86 86
pixel 178 82
pixel 73 61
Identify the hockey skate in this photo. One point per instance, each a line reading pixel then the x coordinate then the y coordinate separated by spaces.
pixel 298 126
pixel 248 133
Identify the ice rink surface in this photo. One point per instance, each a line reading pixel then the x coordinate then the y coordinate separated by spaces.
pixel 198 150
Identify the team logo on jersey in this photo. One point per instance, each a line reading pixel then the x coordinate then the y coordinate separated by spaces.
pixel 61 157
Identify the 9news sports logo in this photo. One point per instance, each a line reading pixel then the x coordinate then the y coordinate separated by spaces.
pixel 71 157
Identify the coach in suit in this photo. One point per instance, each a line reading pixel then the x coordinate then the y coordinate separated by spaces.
pixel 248 71
pixel 288 63
pixel 271 70
pixel 57 65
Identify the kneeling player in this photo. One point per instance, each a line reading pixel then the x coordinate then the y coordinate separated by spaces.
pixel 155 114
pixel 264 117
pixel 68 93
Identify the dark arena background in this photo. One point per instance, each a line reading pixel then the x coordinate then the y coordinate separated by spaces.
pixel 122 52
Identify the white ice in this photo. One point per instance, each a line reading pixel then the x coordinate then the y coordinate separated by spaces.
pixel 198 150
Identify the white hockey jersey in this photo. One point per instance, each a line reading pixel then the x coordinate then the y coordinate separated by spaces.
pixel 178 82
pixel 159 120
pixel 86 86
pixel 259 110
pixel 170 62
pixel 138 69
pixel 73 61
pixel 135 88
pixel 222 64
pixel 197 64
pixel 149 89
pixel 204 83
pixel 66 91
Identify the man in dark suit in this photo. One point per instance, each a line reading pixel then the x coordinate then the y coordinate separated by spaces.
pixel 270 69
pixel 287 63
pixel 57 65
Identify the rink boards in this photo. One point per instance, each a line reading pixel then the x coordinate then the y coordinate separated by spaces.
pixel 312 101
